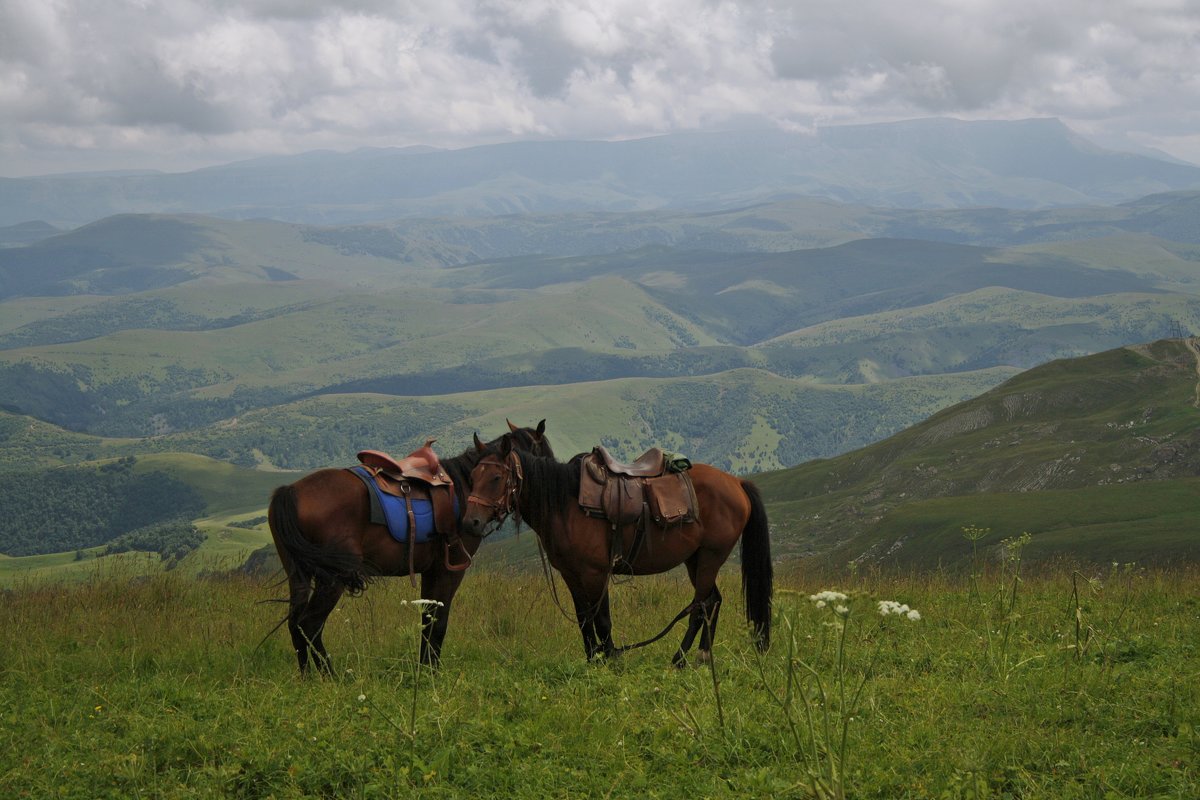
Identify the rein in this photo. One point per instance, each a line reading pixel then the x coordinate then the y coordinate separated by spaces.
pixel 687 610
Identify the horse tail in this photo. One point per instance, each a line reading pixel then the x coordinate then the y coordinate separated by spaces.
pixel 757 571
pixel 308 561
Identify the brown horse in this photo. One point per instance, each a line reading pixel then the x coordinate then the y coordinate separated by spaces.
pixel 544 493
pixel 324 537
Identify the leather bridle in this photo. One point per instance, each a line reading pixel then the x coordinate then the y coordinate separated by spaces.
pixel 506 504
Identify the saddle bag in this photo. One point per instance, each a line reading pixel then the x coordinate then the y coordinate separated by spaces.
pixel 608 491
pixel 672 498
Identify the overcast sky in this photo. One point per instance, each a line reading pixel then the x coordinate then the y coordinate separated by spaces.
pixel 178 84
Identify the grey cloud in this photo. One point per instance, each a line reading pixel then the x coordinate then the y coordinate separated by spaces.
pixel 306 9
pixel 341 73
pixel 545 59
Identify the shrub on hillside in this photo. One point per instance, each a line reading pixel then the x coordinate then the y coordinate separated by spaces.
pixel 171 540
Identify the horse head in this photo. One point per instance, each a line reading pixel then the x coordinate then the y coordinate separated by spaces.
pixel 495 486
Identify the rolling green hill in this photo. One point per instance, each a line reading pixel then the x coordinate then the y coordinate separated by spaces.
pixel 194 354
pixel 743 419
pixel 1097 457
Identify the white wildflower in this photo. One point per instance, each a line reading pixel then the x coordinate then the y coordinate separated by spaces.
pixel 893 608
pixel 362 698
pixel 437 603
pixel 827 596
pixel 841 610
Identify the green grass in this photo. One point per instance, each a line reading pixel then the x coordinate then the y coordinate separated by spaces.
pixel 1149 522
pixel 122 687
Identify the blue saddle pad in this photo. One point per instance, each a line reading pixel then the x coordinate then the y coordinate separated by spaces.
pixel 395 512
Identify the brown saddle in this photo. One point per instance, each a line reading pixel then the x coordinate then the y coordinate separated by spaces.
pixel 625 494
pixel 419 476
pixel 649 464
pixel 421 464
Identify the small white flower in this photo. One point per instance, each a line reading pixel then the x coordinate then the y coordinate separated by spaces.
pixel 841 610
pixel 893 608
pixel 820 604
pixel 827 596
pixel 437 603
pixel 362 698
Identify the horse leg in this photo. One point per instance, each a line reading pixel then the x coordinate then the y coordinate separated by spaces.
pixel 307 626
pixel 705 608
pixel 300 591
pixel 592 614
pixel 602 625
pixel 708 631
pixel 438 585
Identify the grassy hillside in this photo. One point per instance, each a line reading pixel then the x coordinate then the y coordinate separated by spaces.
pixel 1101 427
pixel 1147 523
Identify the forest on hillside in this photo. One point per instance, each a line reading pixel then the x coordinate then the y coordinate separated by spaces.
pixel 68 508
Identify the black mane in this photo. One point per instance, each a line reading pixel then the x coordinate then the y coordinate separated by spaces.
pixel 549 487
pixel 525 440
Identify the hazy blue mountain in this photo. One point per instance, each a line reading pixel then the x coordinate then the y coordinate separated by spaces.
pixel 935 163
pixel 24 233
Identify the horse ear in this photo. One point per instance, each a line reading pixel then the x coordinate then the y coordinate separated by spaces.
pixel 480 446
pixel 511 427
pixel 541 428
pixel 506 445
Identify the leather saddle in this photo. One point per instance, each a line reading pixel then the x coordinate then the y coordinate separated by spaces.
pixel 421 464
pixel 650 488
pixel 418 476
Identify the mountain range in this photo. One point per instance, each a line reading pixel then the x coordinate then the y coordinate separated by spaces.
pixel 929 163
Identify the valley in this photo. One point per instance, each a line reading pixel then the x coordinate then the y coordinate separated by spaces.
pixel 810 343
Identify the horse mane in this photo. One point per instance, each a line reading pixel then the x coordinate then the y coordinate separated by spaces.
pixel 550 487
pixel 459 467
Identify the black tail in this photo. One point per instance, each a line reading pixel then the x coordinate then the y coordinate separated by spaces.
pixel 310 561
pixel 757 571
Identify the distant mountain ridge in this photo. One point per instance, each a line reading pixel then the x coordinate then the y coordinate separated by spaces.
pixel 133 252
pixel 932 163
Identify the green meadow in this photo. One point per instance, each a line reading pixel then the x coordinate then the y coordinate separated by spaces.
pixel 1059 684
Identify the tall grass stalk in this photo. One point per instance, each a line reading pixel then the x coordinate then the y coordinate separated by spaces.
pixel 998 613
pixel 830 704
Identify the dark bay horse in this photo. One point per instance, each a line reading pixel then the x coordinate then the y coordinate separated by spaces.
pixel 543 492
pixel 328 546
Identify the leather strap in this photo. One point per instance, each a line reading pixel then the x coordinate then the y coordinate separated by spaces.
pixel 412 536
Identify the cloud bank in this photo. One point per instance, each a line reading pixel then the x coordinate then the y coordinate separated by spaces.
pixel 175 84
